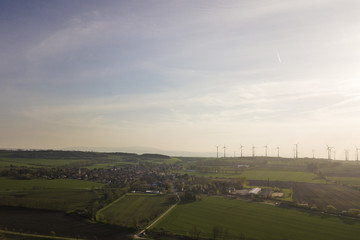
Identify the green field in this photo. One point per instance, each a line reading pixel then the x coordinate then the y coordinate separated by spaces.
pixel 41 162
pixel 255 221
pixel 134 210
pixel 57 194
pixel 7 184
pixel 62 200
pixel 354 181
pixel 91 163
pixel 282 175
pixel 264 174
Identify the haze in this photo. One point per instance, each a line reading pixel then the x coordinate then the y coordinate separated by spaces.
pixel 181 75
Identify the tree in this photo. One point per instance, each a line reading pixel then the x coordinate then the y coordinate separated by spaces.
pixel 241 182
pixel 330 209
pixel 313 167
pixel 225 234
pixel 195 232
pixel 242 236
pixel 354 212
pixel 217 231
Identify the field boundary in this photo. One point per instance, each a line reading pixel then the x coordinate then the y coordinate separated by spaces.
pixel 141 233
pixel 229 214
pixel 117 200
pixel 36 235
pixel 107 206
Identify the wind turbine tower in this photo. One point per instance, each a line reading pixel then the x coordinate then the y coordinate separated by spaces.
pixel 241 150
pixel 217 151
pixel 224 151
pixel 357 153
pixel 329 151
pixel 313 152
pixel 266 149
pixel 334 154
pixel 296 150
pixel 278 151
pixel 346 154
pixel 253 151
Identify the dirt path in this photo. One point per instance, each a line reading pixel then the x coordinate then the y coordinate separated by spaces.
pixel 141 234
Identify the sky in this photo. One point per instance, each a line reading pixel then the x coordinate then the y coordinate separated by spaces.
pixel 181 75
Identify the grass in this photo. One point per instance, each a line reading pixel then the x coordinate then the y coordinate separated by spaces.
pixel 288 193
pixel 7 184
pixel 61 200
pixel 255 221
pixel 354 181
pixel 91 160
pixel 57 194
pixel 30 162
pixel 321 195
pixel 282 175
pixel 134 210
pixel 263 174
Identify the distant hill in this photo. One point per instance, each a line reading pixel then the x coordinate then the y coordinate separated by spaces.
pixel 50 154
pixel 145 150
pixel 66 154
pixel 158 156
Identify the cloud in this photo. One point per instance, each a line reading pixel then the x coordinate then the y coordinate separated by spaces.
pixel 179 70
pixel 244 102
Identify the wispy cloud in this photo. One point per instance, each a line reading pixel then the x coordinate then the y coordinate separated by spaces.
pixel 208 71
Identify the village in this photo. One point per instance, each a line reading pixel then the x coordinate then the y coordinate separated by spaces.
pixel 146 178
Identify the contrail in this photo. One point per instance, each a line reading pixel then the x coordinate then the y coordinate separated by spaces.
pixel 278 56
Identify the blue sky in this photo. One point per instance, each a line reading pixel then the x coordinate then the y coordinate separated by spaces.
pixel 181 75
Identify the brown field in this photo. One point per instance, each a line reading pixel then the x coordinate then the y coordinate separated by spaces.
pixel 264 183
pixel 321 195
pixel 43 222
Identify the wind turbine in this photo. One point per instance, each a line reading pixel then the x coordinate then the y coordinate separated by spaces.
pixel 253 151
pixel 357 153
pixel 241 150
pixel 224 151
pixel 296 150
pixel 217 151
pixel 334 154
pixel 278 151
pixel 328 148
pixel 346 154
pixel 266 149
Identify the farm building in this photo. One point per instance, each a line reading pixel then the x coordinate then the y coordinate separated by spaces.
pixel 277 194
pixel 152 192
pixel 255 191
pixel 244 192
pixel 242 166
pixel 266 192
pixel 241 192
